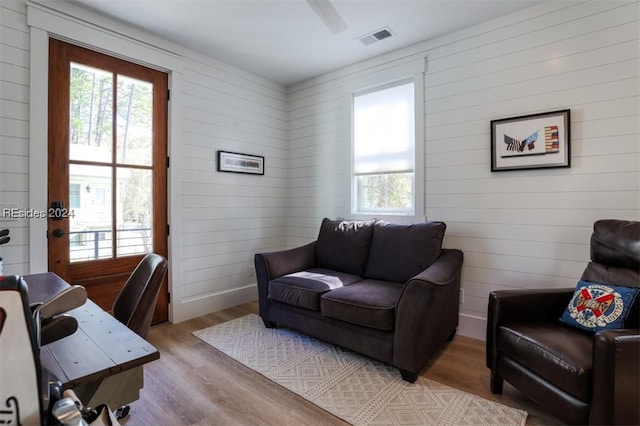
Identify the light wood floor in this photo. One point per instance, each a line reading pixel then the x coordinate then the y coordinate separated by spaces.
pixel 194 384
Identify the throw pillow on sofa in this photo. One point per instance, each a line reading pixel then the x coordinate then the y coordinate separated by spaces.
pixel 400 252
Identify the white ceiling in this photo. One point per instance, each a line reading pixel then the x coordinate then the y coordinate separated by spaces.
pixel 285 41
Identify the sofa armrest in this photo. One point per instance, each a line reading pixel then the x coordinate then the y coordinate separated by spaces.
pixel 445 270
pixel 616 368
pixel 427 312
pixel 276 264
pixel 529 305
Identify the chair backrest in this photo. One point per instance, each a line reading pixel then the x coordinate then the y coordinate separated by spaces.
pixel 136 302
pixel 615 253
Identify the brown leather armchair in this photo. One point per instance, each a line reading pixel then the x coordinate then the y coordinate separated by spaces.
pixel 136 302
pixel 578 376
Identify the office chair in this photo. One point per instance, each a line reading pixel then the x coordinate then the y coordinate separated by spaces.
pixel 136 302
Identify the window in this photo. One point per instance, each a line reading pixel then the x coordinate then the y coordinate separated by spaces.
pixel 74 195
pixel 384 150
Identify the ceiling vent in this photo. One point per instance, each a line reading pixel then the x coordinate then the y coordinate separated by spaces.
pixel 375 36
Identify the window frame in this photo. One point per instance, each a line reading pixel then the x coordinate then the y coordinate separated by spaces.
pixel 411 71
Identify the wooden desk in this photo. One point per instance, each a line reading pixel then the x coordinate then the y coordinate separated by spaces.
pixel 102 361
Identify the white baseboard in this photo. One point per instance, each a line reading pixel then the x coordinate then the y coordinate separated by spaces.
pixel 472 326
pixel 215 302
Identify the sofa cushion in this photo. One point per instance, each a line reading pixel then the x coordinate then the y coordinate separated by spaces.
pixel 370 303
pixel 400 252
pixel 561 355
pixel 304 288
pixel 344 245
pixel 595 307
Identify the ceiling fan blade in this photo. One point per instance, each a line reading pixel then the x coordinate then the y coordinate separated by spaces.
pixel 328 14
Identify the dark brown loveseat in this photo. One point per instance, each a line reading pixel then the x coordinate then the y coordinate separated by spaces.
pixel 387 291
pixel 582 377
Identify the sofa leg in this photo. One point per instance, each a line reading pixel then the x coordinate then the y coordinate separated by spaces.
pixel 268 323
pixel 452 335
pixel 496 383
pixel 408 376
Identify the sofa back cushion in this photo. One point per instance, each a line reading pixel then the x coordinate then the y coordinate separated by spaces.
pixel 344 245
pixel 400 252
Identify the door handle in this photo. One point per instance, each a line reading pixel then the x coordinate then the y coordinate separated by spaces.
pixel 57 233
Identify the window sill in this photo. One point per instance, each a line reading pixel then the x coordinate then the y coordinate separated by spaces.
pixel 391 218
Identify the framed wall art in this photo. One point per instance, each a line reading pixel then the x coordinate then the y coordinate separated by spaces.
pixel 531 141
pixel 234 162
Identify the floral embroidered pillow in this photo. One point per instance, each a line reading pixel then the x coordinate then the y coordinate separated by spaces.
pixel 596 307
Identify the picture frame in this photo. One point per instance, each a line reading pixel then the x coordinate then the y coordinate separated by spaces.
pixel 532 141
pixel 235 162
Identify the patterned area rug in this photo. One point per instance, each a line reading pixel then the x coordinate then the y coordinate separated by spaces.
pixel 355 388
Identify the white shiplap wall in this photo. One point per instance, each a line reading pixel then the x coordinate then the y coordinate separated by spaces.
pixel 518 229
pixel 228 217
pixel 14 130
pixel 218 220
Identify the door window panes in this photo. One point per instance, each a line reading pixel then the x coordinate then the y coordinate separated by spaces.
pixel 134 211
pixel 90 114
pixel 135 124
pixel 110 175
pixel 90 226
